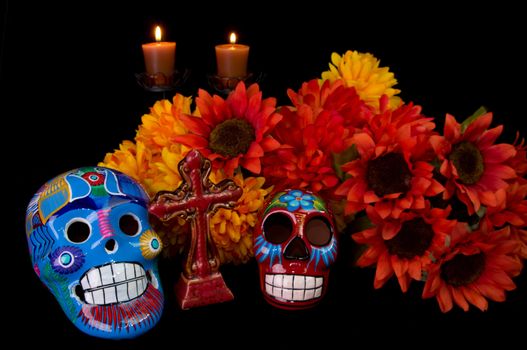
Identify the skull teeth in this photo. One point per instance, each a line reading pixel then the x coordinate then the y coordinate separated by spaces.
pixel 291 288
pixel 112 283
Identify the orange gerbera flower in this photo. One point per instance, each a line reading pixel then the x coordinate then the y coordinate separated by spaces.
pixel 233 132
pixel 320 123
pixel 405 246
pixel 478 266
pixel 474 166
pixel 512 210
pixel 392 171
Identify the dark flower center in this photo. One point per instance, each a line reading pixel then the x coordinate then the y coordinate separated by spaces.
pixel 232 137
pixel 388 174
pixel 468 161
pixel 463 269
pixel 413 239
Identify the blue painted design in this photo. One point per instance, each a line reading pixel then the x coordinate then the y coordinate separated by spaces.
pixel 49 205
pixel 265 250
pixel 111 184
pixel 67 259
pixel 296 199
pixel 40 241
pixel 63 264
pixel 328 254
pixel 80 188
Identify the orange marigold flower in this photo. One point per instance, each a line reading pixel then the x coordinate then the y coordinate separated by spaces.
pixel 162 124
pixel 232 229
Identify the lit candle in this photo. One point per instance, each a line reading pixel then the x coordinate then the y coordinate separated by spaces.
pixel 232 59
pixel 160 56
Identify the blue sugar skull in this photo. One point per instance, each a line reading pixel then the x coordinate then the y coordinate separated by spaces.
pixel 91 244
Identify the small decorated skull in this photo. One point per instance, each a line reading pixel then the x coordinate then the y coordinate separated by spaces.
pixel 91 244
pixel 295 246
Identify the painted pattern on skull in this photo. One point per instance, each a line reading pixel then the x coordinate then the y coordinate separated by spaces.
pixel 88 234
pixel 295 246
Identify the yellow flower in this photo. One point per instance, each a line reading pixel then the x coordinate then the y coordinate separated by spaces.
pixel 232 229
pixel 362 71
pixel 131 159
pixel 162 123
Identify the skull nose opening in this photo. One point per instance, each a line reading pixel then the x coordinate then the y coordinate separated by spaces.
pixel 111 246
pixel 296 250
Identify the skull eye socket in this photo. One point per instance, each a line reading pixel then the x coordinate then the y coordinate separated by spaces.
pixel 78 231
pixel 318 231
pixel 129 224
pixel 277 228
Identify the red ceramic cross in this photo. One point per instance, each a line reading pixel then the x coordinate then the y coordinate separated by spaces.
pixel 194 200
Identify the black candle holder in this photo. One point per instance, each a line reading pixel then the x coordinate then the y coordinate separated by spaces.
pixel 159 82
pixel 224 85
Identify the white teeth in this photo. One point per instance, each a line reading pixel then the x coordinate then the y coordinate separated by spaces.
pixel 291 288
pixel 115 282
pixel 98 297
pixel 310 294
pixel 299 282
pixel 319 281
pixel 287 294
pixel 118 272
pixel 278 279
pixel 109 295
pixel 132 290
pixel 288 281
pixel 95 278
pixel 129 270
pixel 85 284
pixel 89 298
pixel 107 275
pixel 122 292
pixel 139 271
pixel 269 279
pixel 298 295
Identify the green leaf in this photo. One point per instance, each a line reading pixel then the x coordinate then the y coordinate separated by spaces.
pixel 481 111
pixel 342 158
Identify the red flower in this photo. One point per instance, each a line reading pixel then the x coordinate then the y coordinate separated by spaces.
pixel 392 172
pixel 404 246
pixel 474 166
pixel 512 210
pixel 233 132
pixel 478 266
pixel 519 161
pixel 321 123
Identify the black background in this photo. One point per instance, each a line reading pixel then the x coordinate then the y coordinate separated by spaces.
pixel 69 95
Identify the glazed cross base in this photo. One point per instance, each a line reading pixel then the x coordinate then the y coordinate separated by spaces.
pixel 202 291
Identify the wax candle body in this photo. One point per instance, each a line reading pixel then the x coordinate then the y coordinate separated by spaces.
pixel 232 60
pixel 160 57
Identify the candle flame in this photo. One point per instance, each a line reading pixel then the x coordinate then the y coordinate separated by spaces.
pixel 158 33
pixel 232 38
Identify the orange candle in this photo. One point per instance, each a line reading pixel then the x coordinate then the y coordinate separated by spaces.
pixel 160 56
pixel 232 59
